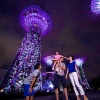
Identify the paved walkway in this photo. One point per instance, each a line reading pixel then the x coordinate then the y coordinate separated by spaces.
pixel 92 95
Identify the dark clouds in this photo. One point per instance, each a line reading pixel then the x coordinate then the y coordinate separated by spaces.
pixel 75 30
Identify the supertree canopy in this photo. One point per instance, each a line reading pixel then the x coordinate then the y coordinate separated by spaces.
pixel 95 6
pixel 36 22
pixel 48 60
pixel 35 17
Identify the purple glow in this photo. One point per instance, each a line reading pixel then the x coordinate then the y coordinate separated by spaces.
pixel 44 74
pixel 79 61
pixel 83 79
pixel 95 6
pixel 48 86
pixel 48 60
pixel 35 21
pixel 34 16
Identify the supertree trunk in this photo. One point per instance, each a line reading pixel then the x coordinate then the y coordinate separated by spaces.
pixel 36 22
pixel 83 79
pixel 27 56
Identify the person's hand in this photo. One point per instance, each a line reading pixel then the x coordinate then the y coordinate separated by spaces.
pixel 55 61
pixel 30 90
pixel 66 58
pixel 66 76
pixel 79 77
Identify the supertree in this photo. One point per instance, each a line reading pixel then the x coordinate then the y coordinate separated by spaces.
pixel 36 22
pixel 83 79
pixel 95 6
pixel 48 85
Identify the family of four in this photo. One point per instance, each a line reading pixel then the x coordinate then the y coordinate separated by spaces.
pixel 60 76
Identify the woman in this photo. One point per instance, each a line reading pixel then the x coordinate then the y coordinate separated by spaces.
pixel 73 75
pixel 30 81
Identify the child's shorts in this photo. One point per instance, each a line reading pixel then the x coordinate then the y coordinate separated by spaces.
pixel 26 90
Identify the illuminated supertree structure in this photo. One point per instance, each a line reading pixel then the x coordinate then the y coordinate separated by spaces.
pixel 48 60
pixel 36 22
pixel 83 79
pixel 48 84
pixel 95 6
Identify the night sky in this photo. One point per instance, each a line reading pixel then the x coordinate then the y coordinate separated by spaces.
pixel 75 31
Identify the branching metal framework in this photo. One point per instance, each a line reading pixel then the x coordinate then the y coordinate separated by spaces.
pixel 36 22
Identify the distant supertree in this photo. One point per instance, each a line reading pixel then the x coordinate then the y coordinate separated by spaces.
pixel 95 6
pixel 83 79
pixel 36 22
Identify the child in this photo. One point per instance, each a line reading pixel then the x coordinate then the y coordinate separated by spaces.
pixel 57 56
pixel 30 81
pixel 73 75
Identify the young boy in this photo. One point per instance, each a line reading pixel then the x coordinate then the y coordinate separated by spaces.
pixel 30 81
pixel 73 75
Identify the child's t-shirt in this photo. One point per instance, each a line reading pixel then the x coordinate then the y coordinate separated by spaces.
pixel 57 57
pixel 29 79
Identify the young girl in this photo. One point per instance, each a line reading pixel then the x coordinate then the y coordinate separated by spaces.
pixel 30 81
pixel 73 75
pixel 57 56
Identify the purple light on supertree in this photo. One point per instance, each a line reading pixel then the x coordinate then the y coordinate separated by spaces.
pixel 79 62
pixel 48 60
pixel 95 6
pixel 36 22
pixel 34 16
pixel 48 86
pixel 83 79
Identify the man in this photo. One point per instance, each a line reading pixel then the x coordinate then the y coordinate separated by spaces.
pixel 30 81
pixel 59 74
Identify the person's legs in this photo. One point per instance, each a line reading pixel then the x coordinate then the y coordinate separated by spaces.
pixel 78 98
pixel 56 85
pixel 77 83
pixel 63 82
pixel 74 87
pixel 31 98
pixel 85 97
pixel 57 93
pixel 32 94
pixel 79 86
pixel 26 92
pixel 27 98
pixel 66 93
